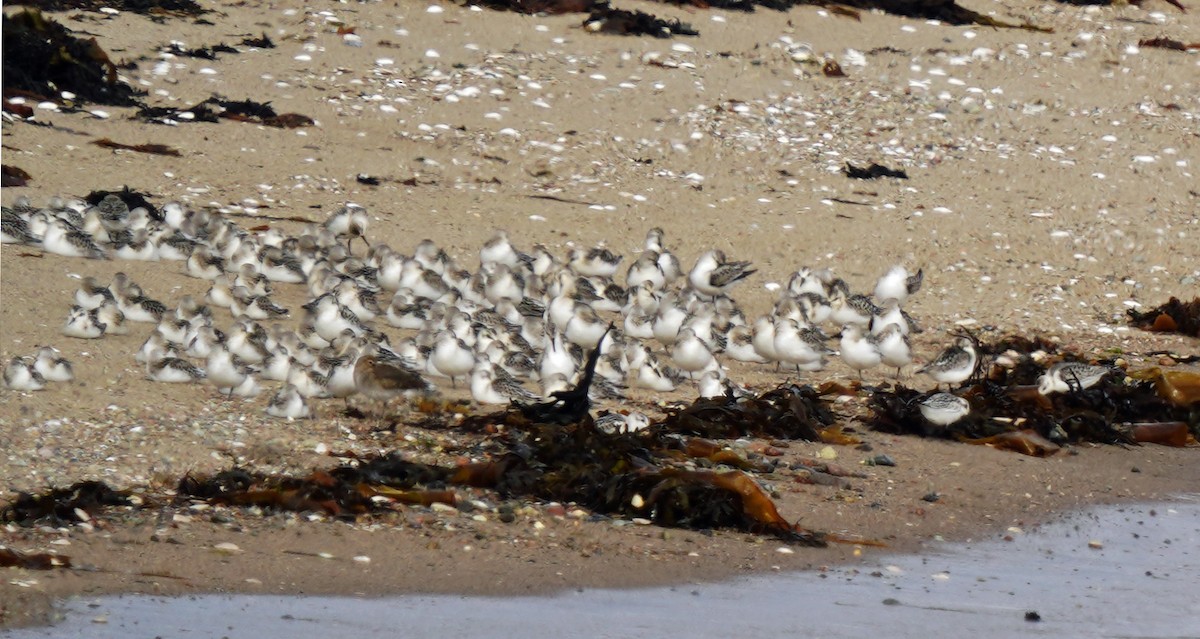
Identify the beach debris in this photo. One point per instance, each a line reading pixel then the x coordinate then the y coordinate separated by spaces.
pixel 872 172
pixel 1174 316
pixel 43 59
pixel 1006 409
pixel 60 506
pixel 133 199
pixel 1163 42
pixel 149 147
pixel 143 7
pixel 14 176
pixel 10 558
pixel 831 69
pixel 605 19
pixel 216 107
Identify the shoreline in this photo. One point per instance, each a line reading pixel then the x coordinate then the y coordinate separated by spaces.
pixel 547 550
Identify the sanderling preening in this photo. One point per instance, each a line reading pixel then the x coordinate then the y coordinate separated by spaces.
pixel 1065 377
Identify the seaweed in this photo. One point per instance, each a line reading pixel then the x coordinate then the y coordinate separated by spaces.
pixel 42 58
pixel 1172 317
pixel 133 199
pixel 14 175
pixel 58 506
pixel 1007 409
pixel 149 147
pixel 872 172
pixel 143 7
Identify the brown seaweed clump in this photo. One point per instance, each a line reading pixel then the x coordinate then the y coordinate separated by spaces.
pixel 42 59
pixel 1172 317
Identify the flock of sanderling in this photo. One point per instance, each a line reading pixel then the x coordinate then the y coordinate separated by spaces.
pixel 521 317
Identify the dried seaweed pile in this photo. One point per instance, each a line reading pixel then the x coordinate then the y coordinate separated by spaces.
pixel 42 59
pixel 59 506
pixel 1173 317
pixel 660 474
pixel 606 19
pixel 1008 411
pixel 144 7
pixel 217 107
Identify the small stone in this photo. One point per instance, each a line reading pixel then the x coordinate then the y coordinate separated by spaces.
pixel 881 460
pixel 1167 360
pixel 1095 544
pixel 227 548
pixel 1032 616
pixel 931 497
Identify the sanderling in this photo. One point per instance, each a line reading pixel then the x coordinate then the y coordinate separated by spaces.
pixel 691 354
pixel 288 403
pixel 672 313
pixel 166 368
pixel 109 314
pixel 84 324
pixel 618 424
pixel 62 239
pixel 955 364
pixel 349 222
pixel 712 385
pixel 501 282
pixel 585 327
pixel 739 345
pixel 594 262
pixel 254 306
pixel 137 247
pixel 488 388
pixel 52 365
pixel 279 266
pixel 763 338
pixel 653 375
pixel 943 409
pixel 1065 377
pixel 807 280
pixel 646 270
pixel 667 262
pixel 20 375
pixel 713 274
pixel 140 308
pixel 452 357
pixel 499 250
pixel 851 309
pixel 205 264
pixel 225 371
pixel 14 229
pixel 91 293
pixel 803 348
pixel 859 351
pixel 894 347
pixel 897 284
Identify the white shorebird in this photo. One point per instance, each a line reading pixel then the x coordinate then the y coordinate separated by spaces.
pixel 618 424
pixel 350 221
pixel 894 347
pixel 52 365
pixel 714 275
pixel 955 364
pixel 20 375
pixel 1065 377
pixel 487 388
pixel 451 357
pixel 943 409
pixel 859 351
pixel 897 284
pixel 163 367
pixel 691 354
pixel 84 324
pixel 288 403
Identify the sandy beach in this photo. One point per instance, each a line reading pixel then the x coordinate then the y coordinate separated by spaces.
pixel 1051 187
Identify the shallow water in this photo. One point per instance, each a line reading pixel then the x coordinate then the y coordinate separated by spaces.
pixel 1142 582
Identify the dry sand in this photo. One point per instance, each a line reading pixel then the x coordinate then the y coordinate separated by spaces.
pixel 1052 185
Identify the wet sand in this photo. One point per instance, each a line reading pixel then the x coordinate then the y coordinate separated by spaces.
pixel 1051 187
pixel 1108 571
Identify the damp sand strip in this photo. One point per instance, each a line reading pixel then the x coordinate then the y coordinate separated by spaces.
pixel 1110 571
